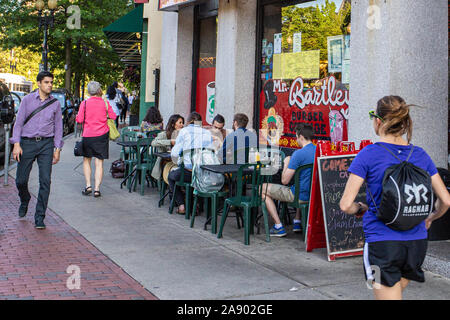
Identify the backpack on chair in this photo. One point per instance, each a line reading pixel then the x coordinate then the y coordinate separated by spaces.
pixel 204 180
pixel 407 195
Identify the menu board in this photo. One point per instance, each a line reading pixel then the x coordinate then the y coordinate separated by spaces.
pixel 344 232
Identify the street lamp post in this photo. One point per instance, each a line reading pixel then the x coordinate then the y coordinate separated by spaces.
pixel 46 21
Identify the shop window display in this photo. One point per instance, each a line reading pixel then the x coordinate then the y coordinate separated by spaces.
pixel 304 70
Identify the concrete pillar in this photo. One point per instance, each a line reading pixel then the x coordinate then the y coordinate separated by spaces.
pixel 400 48
pixel 168 65
pixel 235 62
pixel 183 75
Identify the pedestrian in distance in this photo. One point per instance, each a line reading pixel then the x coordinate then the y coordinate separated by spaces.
pixel 396 254
pixel 37 135
pixel 114 100
pixel 93 115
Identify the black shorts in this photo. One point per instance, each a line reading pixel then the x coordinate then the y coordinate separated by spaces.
pixel 395 260
pixel 96 147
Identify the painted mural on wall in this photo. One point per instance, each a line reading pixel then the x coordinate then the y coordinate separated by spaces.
pixel 324 106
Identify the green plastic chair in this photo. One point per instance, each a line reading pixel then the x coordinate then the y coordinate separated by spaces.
pixel 247 202
pixel 214 197
pixel 144 162
pixel 183 184
pixel 303 207
pixel 131 158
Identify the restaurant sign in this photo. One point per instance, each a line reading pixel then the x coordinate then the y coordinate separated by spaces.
pixel 325 107
pixel 173 5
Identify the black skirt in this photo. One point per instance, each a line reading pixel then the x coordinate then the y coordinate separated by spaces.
pixel 96 147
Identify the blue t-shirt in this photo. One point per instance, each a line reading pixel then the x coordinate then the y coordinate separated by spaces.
pixel 299 158
pixel 370 164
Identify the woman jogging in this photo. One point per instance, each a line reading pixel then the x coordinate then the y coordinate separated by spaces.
pixel 398 254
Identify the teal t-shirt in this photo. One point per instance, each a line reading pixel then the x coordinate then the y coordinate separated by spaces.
pixel 299 158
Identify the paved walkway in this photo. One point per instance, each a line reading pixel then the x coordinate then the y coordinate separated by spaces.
pixel 161 251
pixel 34 263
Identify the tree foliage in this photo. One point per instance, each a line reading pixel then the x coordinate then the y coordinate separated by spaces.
pixel 315 23
pixel 91 53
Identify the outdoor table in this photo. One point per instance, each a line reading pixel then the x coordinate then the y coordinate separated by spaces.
pixel 129 144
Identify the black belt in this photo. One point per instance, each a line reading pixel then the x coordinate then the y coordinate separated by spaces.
pixel 36 138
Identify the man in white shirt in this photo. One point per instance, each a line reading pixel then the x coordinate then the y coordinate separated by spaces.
pixel 190 137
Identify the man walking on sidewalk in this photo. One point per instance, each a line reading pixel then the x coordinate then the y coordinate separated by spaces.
pixel 37 131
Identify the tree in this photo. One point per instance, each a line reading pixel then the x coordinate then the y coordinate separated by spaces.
pixel 27 63
pixel 315 23
pixel 74 54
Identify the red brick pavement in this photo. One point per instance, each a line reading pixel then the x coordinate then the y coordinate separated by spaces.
pixel 33 263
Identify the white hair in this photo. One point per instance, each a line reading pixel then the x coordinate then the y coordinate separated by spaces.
pixel 93 88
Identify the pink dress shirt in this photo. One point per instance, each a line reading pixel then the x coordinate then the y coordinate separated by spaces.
pixel 95 124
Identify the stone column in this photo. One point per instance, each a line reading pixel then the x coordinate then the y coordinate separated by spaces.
pixel 235 63
pixel 183 75
pixel 401 48
pixel 168 65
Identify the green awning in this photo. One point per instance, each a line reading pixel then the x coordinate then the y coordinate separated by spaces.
pixel 124 34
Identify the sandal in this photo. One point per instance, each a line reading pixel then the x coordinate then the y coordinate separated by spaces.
pixel 97 194
pixel 181 212
pixel 87 191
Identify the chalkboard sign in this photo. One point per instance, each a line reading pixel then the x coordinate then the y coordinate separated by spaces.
pixel 344 232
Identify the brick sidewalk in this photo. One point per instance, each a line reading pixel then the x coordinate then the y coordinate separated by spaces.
pixel 33 262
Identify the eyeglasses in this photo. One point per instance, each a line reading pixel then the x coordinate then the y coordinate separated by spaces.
pixel 372 115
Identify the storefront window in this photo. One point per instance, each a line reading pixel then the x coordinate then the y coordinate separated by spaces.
pixel 304 70
pixel 205 64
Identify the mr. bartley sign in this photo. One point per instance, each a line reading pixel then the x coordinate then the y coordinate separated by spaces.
pixel 324 106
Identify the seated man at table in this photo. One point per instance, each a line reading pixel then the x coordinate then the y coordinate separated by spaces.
pixel 284 193
pixel 190 137
pixel 239 141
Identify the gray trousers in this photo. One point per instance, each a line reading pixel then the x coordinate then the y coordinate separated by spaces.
pixel 42 151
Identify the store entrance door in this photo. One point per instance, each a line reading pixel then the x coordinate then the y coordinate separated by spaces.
pixel 206 69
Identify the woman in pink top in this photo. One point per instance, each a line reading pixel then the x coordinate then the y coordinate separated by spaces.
pixel 93 115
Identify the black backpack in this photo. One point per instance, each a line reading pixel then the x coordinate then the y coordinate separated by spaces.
pixel 118 169
pixel 407 195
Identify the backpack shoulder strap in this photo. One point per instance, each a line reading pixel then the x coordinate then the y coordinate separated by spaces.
pixel 410 153
pixel 379 144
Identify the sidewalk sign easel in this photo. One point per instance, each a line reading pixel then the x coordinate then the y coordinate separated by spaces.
pixel 316 233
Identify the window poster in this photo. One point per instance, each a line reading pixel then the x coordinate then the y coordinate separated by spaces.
pixel 346 47
pixel 297 42
pixel 277 43
pixel 292 65
pixel 346 71
pixel 335 48
pixel 283 105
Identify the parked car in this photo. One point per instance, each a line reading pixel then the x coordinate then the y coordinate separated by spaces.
pixel 69 106
pixel 17 96
pixel 4 91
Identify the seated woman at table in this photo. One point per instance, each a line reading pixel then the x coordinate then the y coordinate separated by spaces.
pixel 95 135
pixel 165 140
pixel 152 121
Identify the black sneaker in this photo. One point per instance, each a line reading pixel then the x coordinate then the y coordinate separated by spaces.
pixel 23 210
pixel 40 225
